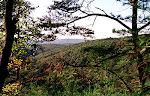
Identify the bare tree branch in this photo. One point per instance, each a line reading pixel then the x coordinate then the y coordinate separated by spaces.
pixel 103 15
pixel 83 11
pixel 143 26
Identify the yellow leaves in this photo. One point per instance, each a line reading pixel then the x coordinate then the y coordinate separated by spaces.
pixel 16 68
pixel 40 91
pixel 12 89
pixel 25 67
pixel 19 1
pixel 18 63
pixel 10 65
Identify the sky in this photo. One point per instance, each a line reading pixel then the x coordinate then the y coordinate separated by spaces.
pixel 102 26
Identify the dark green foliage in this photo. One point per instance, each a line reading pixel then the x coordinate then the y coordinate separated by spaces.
pixel 36 49
pixel 48 47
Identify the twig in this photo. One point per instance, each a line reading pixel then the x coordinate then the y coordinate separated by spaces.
pixel 83 11
pixel 101 10
pixel 94 21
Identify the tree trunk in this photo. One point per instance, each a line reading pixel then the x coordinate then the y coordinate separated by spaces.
pixel 136 43
pixel 10 29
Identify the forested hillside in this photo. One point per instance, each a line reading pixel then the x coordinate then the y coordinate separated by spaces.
pixel 41 48
pixel 75 51
pixel 105 66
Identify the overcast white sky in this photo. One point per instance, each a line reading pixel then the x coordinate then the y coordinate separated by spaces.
pixel 102 27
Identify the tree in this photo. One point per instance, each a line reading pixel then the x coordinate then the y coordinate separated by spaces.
pixel 10 31
pixel 18 28
pixel 65 11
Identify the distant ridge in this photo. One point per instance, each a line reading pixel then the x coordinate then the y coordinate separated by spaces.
pixel 64 41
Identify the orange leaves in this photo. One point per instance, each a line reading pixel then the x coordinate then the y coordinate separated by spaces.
pixel 57 67
pixel 60 68
pixel 58 74
pixel 39 77
pixel 119 44
pixel 48 69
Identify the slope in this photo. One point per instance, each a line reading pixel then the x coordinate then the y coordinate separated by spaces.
pixel 108 63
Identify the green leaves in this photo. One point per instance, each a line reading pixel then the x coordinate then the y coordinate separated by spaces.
pixel 148 68
pixel 121 32
pixel 20 46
